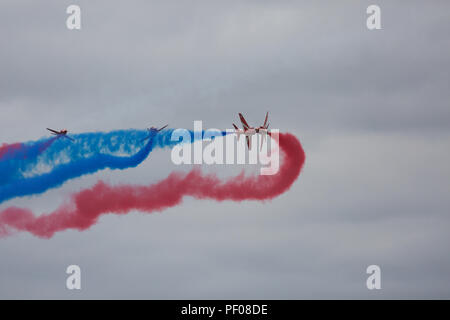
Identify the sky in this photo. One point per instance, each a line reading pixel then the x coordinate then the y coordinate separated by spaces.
pixel 370 108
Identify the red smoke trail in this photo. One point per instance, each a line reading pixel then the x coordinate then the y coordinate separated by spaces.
pixel 9 148
pixel 24 151
pixel 87 206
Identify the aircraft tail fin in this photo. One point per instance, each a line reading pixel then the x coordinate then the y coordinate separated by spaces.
pixel 265 121
pixel 249 142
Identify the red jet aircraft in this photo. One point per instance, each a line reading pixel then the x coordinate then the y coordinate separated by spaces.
pixel 248 131
pixel 61 133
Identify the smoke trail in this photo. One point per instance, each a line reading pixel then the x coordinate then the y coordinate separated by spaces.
pixel 8 149
pixel 85 207
pixel 24 150
pixel 14 158
pixel 66 160
pixel 58 175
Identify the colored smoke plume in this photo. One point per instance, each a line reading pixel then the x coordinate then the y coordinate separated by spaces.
pixel 85 207
pixel 66 160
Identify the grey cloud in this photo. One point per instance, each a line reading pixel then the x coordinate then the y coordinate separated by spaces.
pixel 370 107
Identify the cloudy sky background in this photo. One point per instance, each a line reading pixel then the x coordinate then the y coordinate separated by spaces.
pixel 371 109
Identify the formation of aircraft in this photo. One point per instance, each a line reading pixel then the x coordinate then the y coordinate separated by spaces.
pixel 248 131
pixel 153 129
pixel 60 133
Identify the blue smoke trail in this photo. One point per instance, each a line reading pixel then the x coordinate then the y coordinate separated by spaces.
pixel 91 152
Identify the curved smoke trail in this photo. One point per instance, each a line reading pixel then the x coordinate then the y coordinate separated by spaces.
pixel 65 160
pixel 64 172
pixel 85 207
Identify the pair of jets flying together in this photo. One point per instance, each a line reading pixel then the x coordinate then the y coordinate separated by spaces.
pixel 63 133
pixel 247 131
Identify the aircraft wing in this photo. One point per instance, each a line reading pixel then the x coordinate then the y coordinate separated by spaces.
pixel 147 137
pixel 244 123
pixel 265 121
pixel 54 131
pixel 67 137
pixel 162 128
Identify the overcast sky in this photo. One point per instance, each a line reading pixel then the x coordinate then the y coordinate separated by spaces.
pixel 371 109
